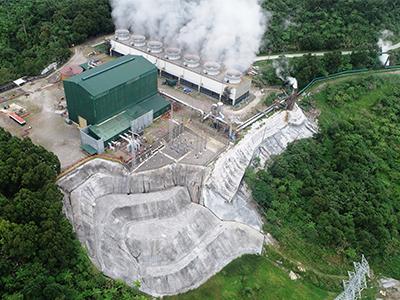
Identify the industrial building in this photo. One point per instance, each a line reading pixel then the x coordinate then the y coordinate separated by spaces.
pixel 105 101
pixel 208 78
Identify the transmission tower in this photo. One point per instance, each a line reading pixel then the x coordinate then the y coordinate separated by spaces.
pixel 357 281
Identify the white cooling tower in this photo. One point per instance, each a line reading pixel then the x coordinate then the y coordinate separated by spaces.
pixel 154 47
pixel 122 34
pixel 212 68
pixel 233 76
pixel 191 60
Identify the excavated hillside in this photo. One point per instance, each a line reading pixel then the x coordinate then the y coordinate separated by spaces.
pixel 148 226
pixel 174 227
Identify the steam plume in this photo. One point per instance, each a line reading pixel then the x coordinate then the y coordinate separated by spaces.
pixel 385 44
pixel 283 70
pixel 226 31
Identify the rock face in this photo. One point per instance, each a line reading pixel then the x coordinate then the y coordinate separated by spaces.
pixel 148 226
pixel 389 288
pixel 223 187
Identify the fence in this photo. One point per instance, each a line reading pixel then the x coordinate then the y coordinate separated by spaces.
pixel 357 281
pixel 345 74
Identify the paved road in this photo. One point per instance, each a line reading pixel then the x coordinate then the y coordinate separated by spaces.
pixel 393 47
pixel 320 53
pixel 292 55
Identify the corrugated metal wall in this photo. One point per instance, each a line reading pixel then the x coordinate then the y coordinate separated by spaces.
pixel 79 102
pixel 119 98
pixel 116 100
pixel 86 139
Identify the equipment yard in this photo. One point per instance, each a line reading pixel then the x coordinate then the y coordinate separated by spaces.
pixel 45 124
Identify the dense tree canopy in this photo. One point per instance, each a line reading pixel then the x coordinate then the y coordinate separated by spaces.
pixel 38 32
pixel 341 188
pixel 39 255
pixel 328 24
pixel 309 67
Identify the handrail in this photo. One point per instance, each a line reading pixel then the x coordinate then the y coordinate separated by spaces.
pixel 344 74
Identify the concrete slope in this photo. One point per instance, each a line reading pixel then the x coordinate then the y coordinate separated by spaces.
pixel 147 226
pixel 265 138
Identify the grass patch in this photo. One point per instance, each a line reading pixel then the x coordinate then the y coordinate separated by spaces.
pixel 255 277
pixel 330 113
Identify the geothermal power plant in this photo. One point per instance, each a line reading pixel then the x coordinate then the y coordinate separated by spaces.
pixel 164 202
pixel 188 69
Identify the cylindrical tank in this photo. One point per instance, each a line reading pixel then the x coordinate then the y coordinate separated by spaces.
pixel 173 53
pixel 220 106
pixel 233 76
pixel 69 71
pixel 122 34
pixel 155 47
pixel 212 68
pixel 191 60
pixel 138 40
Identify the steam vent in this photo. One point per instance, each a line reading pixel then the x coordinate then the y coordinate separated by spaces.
pixel 210 78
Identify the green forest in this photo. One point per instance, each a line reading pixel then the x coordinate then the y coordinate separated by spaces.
pixel 337 196
pixel 309 67
pixel 312 25
pixel 40 258
pixel 36 33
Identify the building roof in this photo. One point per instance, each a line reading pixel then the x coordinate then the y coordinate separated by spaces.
pixel 71 70
pixel 112 74
pixel 121 122
pixel 19 81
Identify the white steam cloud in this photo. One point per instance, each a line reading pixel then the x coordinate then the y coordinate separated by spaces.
pixel 225 31
pixel 283 70
pixel 385 44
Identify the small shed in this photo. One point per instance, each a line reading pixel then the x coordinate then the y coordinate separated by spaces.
pixel 20 81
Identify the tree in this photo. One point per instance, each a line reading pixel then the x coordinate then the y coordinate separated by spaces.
pixel 333 61
pixel 39 255
pixel 339 190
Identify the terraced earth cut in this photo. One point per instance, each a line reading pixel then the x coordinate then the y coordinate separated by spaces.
pixel 165 227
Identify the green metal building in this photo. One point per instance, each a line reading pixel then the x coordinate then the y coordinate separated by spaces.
pixel 107 98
